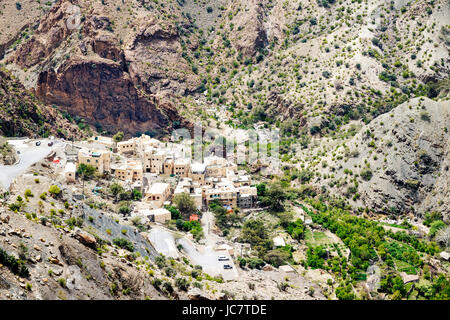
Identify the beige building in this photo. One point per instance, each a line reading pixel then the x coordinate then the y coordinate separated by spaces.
pixel 147 214
pixel 242 181
pixel 197 196
pixel 156 162
pixel 143 143
pixel 225 192
pixel 157 194
pixel 198 173
pixel 128 171
pixel 69 172
pixel 225 248
pixel 106 141
pixel 146 159
pixel 182 167
pixel 99 159
pixel 216 171
pixel 168 166
pixel 128 146
pixel 247 196
pixel 160 215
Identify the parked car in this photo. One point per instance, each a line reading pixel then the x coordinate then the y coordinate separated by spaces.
pixel 50 144
pixel 38 143
pixel 223 258
pixel 227 266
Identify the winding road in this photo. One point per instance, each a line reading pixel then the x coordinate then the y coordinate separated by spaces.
pixel 29 155
pixel 164 242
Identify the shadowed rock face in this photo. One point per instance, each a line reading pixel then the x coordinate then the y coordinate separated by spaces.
pixel 87 72
pixel 24 115
pixel 100 92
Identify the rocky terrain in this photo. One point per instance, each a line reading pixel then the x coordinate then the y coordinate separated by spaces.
pixel 69 252
pixel 152 64
pixel 358 88
pixel 396 163
pixel 103 69
pixel 22 114
pixel 7 153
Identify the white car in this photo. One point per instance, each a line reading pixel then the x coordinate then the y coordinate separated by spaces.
pixel 223 258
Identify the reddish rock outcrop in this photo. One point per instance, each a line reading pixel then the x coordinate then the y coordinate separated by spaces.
pixel 101 91
pixel 91 76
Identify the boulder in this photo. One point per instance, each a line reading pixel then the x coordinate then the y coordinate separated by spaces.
pixel 409 277
pixel 55 261
pixel 197 294
pixel 445 255
pixel 268 267
pixel 85 238
pixel 5 219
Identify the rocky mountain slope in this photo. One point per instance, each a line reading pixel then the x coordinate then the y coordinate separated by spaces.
pixel 7 153
pixel 22 114
pixel 146 66
pixel 398 163
pixel 96 73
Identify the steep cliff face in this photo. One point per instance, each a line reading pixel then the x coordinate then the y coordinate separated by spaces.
pixel 22 114
pixel 154 56
pixel 100 91
pixel 88 71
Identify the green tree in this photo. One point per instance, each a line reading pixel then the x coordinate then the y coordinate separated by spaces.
pixel 136 195
pixel 118 136
pixel 124 244
pixel 174 212
pixel 274 198
pixel 115 189
pixel 54 190
pixel 435 227
pixel 261 189
pixel 185 204
pixel 86 171
pixel 277 257
pixel 182 283
pixel 255 233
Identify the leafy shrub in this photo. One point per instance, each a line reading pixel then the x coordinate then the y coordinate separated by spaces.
pixel 16 266
pixel 366 174
pixel 182 283
pixel 124 244
pixel 54 190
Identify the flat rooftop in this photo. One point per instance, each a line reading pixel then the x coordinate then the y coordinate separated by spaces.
pixel 70 167
pixel 158 188
pixel 181 161
pixel 198 168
